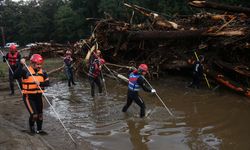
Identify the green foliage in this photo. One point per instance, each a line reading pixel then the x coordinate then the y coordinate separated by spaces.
pixel 112 7
pixel 67 24
pixel 3 69
pixel 65 20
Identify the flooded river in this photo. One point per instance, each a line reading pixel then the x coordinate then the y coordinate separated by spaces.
pixel 203 119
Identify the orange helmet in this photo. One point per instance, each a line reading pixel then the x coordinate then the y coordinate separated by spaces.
pixel 143 67
pixel 68 52
pixel 36 58
pixel 13 48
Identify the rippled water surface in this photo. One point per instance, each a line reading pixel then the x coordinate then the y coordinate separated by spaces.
pixel 204 119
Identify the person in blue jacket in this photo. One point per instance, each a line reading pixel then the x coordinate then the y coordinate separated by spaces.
pixel 137 81
pixel 68 68
pixel 197 72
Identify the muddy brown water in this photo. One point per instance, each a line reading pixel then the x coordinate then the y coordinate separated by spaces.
pixel 204 119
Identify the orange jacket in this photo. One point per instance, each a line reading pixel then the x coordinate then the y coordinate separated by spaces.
pixel 28 84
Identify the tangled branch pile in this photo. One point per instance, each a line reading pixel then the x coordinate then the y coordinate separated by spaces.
pixel 224 38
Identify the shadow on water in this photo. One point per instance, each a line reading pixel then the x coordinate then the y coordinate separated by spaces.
pixel 204 119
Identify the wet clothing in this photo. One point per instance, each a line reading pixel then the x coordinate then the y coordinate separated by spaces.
pixel 136 82
pixel 96 81
pixel 13 60
pixel 32 95
pixel 197 74
pixel 34 105
pixel 95 74
pixel 69 70
pixel 94 67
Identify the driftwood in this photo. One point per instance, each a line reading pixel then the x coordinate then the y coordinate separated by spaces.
pixel 158 20
pixel 165 45
pixel 56 70
pixel 156 35
pixel 206 4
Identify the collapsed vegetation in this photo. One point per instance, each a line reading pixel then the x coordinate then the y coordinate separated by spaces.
pixel 165 45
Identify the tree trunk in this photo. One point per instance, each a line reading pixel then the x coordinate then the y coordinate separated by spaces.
pixel 224 7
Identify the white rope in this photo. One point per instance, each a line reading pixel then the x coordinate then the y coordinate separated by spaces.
pixel 51 106
pixel 12 72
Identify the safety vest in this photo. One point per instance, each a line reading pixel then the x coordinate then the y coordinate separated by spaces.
pixel 94 70
pixel 133 84
pixel 12 58
pixel 28 84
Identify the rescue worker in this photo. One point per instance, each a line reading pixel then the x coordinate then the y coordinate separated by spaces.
pixel 95 66
pixel 32 94
pixel 137 81
pixel 68 68
pixel 197 72
pixel 13 57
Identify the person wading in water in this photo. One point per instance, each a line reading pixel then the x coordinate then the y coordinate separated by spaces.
pixel 34 79
pixel 137 81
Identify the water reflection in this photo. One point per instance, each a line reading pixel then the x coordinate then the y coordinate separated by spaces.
pixel 138 140
pixel 204 119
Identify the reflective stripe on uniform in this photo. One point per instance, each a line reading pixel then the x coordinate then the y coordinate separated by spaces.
pixel 133 85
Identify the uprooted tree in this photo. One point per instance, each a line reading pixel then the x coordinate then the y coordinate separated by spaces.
pixel 224 38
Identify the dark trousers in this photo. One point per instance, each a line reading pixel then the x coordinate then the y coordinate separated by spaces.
pixel 196 80
pixel 70 75
pixel 133 96
pixel 94 81
pixel 34 105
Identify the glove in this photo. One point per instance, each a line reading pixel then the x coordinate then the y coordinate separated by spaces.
pixel 103 80
pixel 22 61
pixel 132 68
pixel 153 91
pixel 4 57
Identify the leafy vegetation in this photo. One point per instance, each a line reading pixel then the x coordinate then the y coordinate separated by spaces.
pixel 64 20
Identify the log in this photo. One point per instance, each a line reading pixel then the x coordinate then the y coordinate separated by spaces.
pixel 227 33
pixel 161 35
pixel 176 64
pixel 218 6
pixel 158 20
pixel 56 70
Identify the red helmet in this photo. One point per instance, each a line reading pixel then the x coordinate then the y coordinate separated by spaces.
pixel 13 48
pixel 143 67
pixel 36 58
pixel 102 61
pixel 68 52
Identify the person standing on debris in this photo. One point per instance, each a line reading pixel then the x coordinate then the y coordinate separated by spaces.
pixel 68 68
pixel 95 66
pixel 197 72
pixel 13 57
pixel 34 79
pixel 137 81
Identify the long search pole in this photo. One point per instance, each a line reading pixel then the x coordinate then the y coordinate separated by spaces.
pixel 11 71
pixel 50 105
pixel 159 97
pixel 205 76
pixel 104 83
pixel 110 71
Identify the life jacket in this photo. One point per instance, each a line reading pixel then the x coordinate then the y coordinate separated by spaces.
pixel 132 82
pixel 28 84
pixel 198 68
pixel 13 58
pixel 94 70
